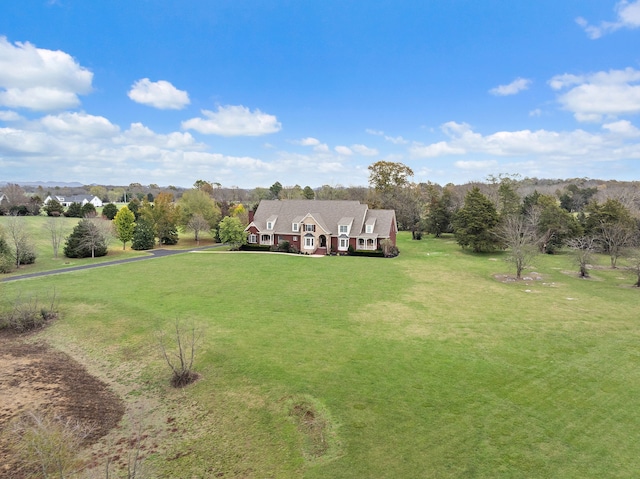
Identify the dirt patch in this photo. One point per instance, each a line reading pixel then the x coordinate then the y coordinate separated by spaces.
pixel 526 277
pixel 34 376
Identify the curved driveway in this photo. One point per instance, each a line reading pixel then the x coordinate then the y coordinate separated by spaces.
pixel 159 253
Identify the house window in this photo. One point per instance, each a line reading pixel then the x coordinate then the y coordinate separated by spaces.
pixel 295 238
pixel 344 228
pixel 308 242
pixel 309 227
pixel 369 228
pixel 344 244
pixel 253 238
pixel 265 239
pixel 269 225
pixel 295 227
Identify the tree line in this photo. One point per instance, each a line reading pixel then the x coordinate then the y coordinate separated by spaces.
pixel 504 212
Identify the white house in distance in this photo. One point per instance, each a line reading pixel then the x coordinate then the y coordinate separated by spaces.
pixel 82 199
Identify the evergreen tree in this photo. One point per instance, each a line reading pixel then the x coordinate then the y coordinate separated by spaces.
pixel 144 236
pixel 74 211
pixel 53 208
pixel 474 222
pixel 110 210
pixel 88 210
pixel 85 241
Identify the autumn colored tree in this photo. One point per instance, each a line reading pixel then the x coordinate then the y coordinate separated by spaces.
pixel 124 223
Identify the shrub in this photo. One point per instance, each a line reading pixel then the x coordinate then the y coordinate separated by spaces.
pixel 365 252
pixel 182 354
pixel 28 254
pixel 88 210
pixel 389 250
pixel 74 211
pixel 110 211
pixel 255 247
pixel 53 208
pixel 27 315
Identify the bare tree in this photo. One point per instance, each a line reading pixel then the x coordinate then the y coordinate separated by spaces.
pixel 583 247
pixel 615 236
pixel 518 234
pixel 15 194
pixel 101 234
pixel 180 354
pixel 19 238
pixel 198 223
pixel 55 227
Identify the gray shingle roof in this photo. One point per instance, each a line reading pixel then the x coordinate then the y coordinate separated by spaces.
pixel 328 214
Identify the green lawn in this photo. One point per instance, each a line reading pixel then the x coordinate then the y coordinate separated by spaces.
pixel 420 366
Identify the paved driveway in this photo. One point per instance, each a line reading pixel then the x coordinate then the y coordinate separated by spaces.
pixel 156 253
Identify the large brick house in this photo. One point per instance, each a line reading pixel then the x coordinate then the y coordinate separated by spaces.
pixel 321 227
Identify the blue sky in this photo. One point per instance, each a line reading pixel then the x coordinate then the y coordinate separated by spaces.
pixel 246 93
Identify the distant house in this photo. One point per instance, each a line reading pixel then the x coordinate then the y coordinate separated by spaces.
pixel 3 199
pixel 82 199
pixel 321 227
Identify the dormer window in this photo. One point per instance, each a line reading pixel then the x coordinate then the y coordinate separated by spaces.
pixel 369 229
pixel 269 225
pixel 295 227
pixel 344 229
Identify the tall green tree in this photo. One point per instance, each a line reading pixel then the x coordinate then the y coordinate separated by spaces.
pixel 231 231
pixel 197 202
pixel 308 193
pixel 144 236
pixel 474 223
pixel 440 213
pixel 164 215
pixel 554 224
pixel 125 223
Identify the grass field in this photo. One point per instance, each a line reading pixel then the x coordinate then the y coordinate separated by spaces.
pixel 422 366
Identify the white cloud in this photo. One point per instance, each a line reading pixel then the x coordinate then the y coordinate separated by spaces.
pixel 434 150
pixel 476 165
pixel 623 128
pixel 611 144
pixel 603 94
pixel 628 16
pixel 516 86
pixel 322 148
pixel 7 115
pixel 40 79
pixel 343 150
pixel 79 124
pixel 535 113
pixel 161 94
pixel 232 120
pixel 364 150
pixel 309 141
pixel 397 140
